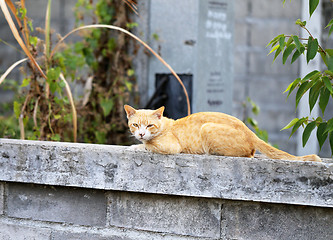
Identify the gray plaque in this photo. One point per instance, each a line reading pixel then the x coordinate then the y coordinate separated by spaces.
pixel 213 85
pixel 195 37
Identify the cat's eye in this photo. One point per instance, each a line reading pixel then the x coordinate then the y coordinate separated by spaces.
pixel 150 125
pixel 135 125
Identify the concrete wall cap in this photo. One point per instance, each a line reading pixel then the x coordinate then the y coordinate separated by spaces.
pixel 118 168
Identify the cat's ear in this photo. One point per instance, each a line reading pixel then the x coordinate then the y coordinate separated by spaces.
pixel 129 111
pixel 159 112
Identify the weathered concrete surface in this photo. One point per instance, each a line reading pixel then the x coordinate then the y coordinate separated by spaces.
pixel 51 212
pixel 2 198
pixel 25 229
pixel 117 168
pixel 17 232
pixel 56 204
pixel 266 221
pixel 161 213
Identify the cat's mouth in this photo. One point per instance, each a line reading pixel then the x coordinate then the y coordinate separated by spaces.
pixel 144 138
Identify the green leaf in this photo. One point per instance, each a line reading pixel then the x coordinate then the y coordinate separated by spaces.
pixel 289 87
pixel 282 42
pixel 329 51
pixel 328 84
pixel 100 137
pixel 17 109
pixel 131 25
pixel 314 94
pixel 323 99
pixel 112 44
pixel 287 52
pixel 307 132
pixel 297 43
pixel 310 75
pixel 278 51
pixel 312 49
pixel 129 85
pixel 329 73
pixel 252 122
pixel 62 84
pixel 329 127
pixel 300 92
pixel 33 40
pixel 292 123
pixel 330 63
pixel 275 40
pixel 292 86
pixel 53 74
pixel 156 37
pixel 312 6
pixel 330 31
pixel 290 41
pixel 330 24
pixel 255 108
pixel 273 49
pixel 56 137
pixel 107 105
pixel 25 82
pixel 297 125
pixel 52 78
pixel 300 23
pixel 321 134
pixel 130 72
pixel 297 54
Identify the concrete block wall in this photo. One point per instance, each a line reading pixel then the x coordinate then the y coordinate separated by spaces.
pixel 80 191
pixel 51 212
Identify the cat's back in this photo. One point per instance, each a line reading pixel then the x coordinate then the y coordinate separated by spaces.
pixel 187 129
pixel 198 119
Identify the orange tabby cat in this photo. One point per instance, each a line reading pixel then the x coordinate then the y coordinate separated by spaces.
pixel 200 133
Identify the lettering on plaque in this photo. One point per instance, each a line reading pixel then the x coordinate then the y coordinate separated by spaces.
pixel 215 86
pixel 216 22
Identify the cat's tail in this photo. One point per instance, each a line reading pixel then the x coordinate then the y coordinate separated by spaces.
pixel 275 153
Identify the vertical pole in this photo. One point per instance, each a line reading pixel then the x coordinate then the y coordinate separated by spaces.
pixel 314 26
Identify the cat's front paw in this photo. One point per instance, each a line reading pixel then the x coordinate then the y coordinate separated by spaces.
pixel 137 147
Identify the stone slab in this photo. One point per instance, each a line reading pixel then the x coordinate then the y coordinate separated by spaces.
pixel 197 217
pixel 25 229
pixel 56 204
pixel 17 232
pixel 262 221
pixel 117 168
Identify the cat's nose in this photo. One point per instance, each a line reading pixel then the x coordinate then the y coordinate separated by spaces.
pixel 141 134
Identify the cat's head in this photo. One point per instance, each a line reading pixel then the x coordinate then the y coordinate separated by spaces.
pixel 144 124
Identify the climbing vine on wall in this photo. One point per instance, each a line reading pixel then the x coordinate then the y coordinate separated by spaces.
pixel 110 76
pixel 100 62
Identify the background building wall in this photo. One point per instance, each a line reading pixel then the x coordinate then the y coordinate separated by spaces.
pixel 258 22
